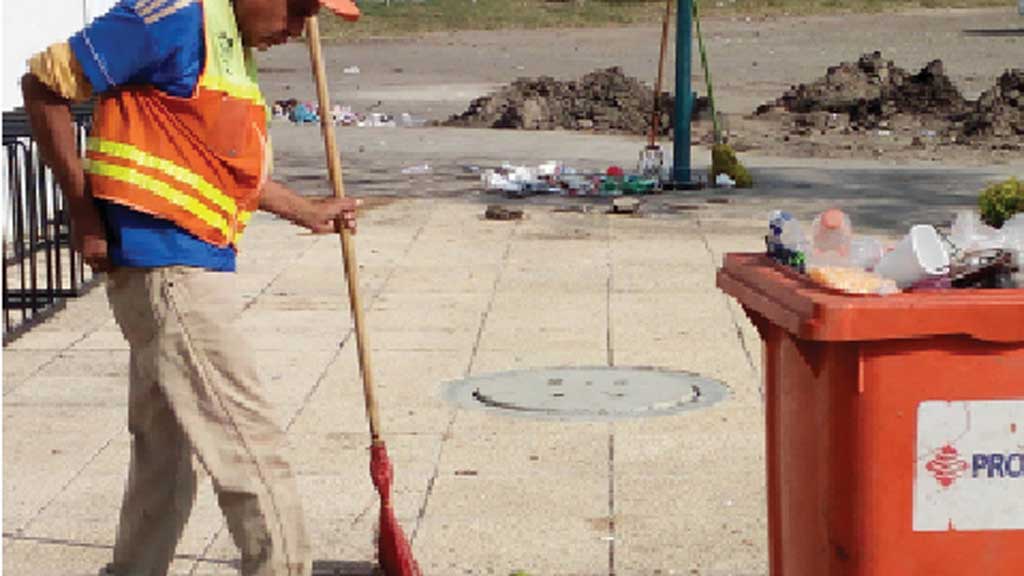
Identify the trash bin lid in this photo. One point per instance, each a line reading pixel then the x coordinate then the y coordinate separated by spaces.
pixel 809 311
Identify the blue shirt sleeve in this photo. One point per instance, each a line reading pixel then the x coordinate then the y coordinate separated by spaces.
pixel 151 42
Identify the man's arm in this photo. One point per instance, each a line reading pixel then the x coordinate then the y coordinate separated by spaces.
pixel 317 214
pixel 50 116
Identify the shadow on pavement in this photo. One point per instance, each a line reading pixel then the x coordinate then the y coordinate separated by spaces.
pixel 883 200
pixel 995 32
pixel 343 568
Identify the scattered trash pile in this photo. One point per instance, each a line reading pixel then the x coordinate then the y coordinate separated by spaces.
pixel 556 178
pixel 873 94
pixel 309 113
pixel 604 100
pixel 971 255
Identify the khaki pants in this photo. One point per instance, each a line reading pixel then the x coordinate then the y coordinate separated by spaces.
pixel 194 390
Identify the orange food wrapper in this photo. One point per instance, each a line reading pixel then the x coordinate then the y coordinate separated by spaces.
pixel 852 280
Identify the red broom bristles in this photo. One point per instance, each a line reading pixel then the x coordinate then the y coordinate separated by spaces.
pixel 393 550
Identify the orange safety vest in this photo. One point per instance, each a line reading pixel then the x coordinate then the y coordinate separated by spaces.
pixel 199 161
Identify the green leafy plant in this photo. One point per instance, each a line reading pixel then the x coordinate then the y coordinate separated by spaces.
pixel 999 202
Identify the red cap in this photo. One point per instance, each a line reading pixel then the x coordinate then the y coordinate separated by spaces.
pixel 347 9
pixel 832 218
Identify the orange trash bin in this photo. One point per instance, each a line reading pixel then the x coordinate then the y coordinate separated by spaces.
pixel 895 426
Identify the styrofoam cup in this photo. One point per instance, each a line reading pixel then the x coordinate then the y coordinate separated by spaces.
pixel 919 255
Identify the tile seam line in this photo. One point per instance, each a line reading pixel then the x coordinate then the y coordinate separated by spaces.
pixel 421 515
pixel 732 315
pixel 374 297
pixel 609 228
pixel 69 543
pixel 53 359
pixel 609 286
pixel 67 484
pixel 611 499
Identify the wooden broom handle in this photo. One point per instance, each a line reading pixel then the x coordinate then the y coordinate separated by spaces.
pixel 347 245
pixel 656 114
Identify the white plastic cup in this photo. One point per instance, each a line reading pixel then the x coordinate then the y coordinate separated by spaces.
pixel 918 255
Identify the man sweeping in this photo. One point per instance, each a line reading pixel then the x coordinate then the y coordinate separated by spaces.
pixel 177 161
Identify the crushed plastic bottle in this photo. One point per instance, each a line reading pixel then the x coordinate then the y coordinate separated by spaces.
pixel 831 234
pixel 865 252
pixel 793 236
pixel 418 169
pixel 969 234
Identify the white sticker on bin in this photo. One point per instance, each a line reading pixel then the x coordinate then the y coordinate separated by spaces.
pixel 969 473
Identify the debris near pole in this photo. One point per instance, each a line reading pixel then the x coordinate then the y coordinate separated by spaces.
pixel 495 212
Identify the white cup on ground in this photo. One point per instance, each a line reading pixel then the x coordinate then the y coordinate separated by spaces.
pixel 918 256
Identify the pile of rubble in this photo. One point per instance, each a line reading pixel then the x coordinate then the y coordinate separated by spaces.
pixel 999 112
pixel 875 94
pixel 604 100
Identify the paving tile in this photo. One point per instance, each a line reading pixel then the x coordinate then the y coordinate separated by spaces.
pixel 42 558
pixel 19 365
pixel 45 447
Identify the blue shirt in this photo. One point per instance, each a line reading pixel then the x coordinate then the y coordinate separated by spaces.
pixel 158 43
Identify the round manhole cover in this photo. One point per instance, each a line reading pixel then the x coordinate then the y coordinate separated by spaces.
pixel 587 393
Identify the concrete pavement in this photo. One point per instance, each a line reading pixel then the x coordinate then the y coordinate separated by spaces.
pixel 449 295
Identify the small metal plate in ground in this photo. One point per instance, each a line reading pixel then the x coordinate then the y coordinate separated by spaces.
pixel 587 393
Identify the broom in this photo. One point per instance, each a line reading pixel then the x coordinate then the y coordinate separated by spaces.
pixel 656 113
pixel 723 157
pixel 652 157
pixel 393 550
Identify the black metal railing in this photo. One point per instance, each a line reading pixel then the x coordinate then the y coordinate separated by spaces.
pixel 41 267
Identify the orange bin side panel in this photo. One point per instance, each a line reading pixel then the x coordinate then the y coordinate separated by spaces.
pixel 899 456
pixel 811 450
pixel 842 444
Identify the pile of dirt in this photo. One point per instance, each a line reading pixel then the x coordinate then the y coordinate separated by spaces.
pixel 604 100
pixel 875 94
pixel 999 111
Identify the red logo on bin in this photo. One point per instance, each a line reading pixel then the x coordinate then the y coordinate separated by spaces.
pixel 947 466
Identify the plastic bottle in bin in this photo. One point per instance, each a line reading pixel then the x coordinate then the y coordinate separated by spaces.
pixel 831 235
pixel 787 242
pixel 774 238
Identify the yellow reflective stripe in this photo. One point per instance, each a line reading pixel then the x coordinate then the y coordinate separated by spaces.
pixel 243 91
pixel 183 175
pixel 161 189
pixel 243 221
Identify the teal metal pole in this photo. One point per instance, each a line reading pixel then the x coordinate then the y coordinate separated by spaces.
pixel 684 94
